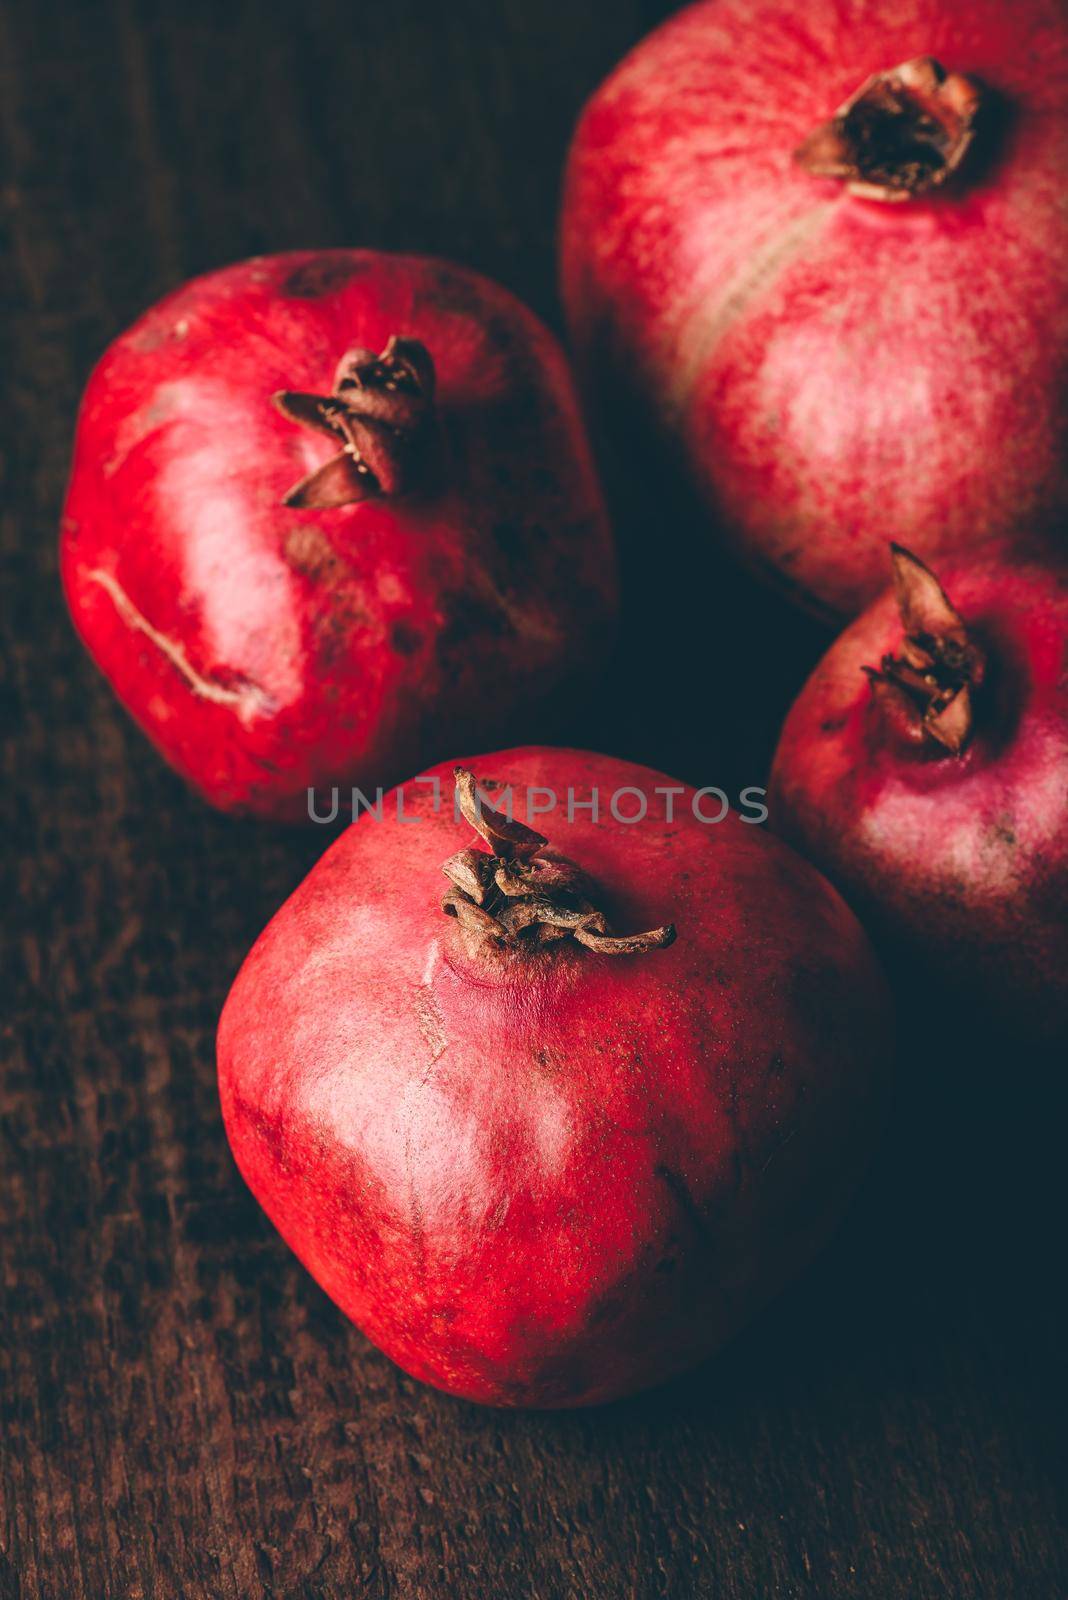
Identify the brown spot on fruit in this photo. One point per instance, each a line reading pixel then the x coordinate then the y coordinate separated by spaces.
pixel 325 275
pixel 1003 829
pixel 405 639
pixel 470 617
pixel 308 551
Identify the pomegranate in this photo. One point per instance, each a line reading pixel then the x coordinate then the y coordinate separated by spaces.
pixel 828 251
pixel 330 514
pixel 924 768
pixel 540 1150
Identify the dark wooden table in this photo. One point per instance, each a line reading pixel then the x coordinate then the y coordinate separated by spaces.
pixel 182 1412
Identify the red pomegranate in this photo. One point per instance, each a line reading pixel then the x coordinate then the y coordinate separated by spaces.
pixel 827 248
pixel 332 514
pixel 924 768
pixel 540 1153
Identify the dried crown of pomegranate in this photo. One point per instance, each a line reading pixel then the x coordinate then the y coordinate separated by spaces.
pixel 523 889
pixel 377 406
pixel 927 691
pixel 903 133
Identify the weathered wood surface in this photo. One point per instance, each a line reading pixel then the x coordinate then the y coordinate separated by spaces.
pixel 182 1413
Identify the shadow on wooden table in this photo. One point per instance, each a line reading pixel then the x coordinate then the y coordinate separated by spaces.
pixel 955 1240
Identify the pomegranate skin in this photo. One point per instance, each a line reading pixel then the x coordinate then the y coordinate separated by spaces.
pixel 835 371
pixel 960 862
pixel 553 1178
pixel 267 648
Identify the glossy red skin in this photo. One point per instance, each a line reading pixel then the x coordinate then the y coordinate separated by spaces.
pixel 962 862
pixel 837 372
pixel 280 648
pixel 555 1179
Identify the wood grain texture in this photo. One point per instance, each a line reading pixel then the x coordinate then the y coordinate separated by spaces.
pixel 182 1413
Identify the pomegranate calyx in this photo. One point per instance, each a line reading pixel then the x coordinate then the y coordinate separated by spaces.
pixel 903 133
pixel 927 692
pixel 377 406
pixel 522 891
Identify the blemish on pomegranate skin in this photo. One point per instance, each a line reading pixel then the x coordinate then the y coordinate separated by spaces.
pixel 269 1130
pixel 308 551
pixel 431 1025
pixel 322 276
pixel 469 615
pixel 1002 830
pixel 164 405
pixel 405 639
pixel 244 697
pixel 336 623
pixel 606 1311
pixel 151 337
pixel 680 1190
pixel 546 1063
pixel 453 292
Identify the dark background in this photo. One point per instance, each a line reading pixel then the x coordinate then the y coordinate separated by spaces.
pixel 182 1412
